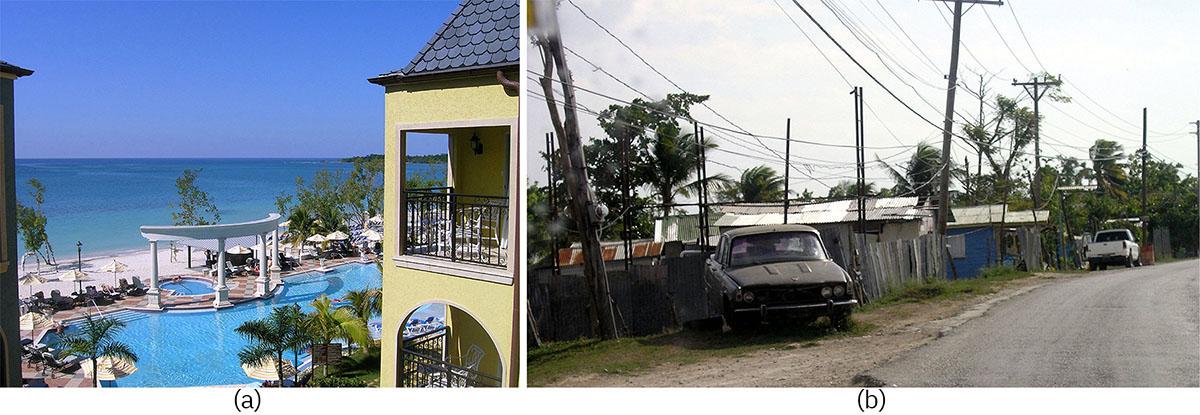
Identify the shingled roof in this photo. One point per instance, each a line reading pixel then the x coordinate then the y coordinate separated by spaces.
pixel 480 34
pixel 9 68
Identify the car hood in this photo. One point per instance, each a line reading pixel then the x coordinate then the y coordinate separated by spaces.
pixel 787 273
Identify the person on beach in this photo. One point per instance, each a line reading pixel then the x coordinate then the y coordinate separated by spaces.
pixel 174 252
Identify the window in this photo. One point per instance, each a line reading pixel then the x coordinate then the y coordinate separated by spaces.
pixel 1113 236
pixel 775 247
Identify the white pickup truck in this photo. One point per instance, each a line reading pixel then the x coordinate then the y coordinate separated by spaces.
pixel 1113 247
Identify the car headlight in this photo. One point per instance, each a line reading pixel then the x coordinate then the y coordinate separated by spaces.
pixel 838 290
pixel 748 297
pixel 826 292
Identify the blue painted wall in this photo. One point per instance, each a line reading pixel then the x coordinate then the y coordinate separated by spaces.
pixel 980 251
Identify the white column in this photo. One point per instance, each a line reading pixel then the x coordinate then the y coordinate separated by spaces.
pixel 152 295
pixel 222 296
pixel 275 247
pixel 263 284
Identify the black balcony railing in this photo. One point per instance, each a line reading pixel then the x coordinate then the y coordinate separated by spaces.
pixel 423 363
pixel 458 227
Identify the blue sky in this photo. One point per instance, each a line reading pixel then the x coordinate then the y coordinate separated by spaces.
pixel 201 79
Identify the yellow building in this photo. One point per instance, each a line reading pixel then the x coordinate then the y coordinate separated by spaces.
pixel 455 247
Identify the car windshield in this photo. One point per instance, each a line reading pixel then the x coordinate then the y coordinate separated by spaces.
pixel 1111 236
pixel 775 247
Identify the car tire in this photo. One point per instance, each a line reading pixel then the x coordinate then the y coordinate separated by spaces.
pixel 1104 267
pixel 1091 266
pixel 1129 261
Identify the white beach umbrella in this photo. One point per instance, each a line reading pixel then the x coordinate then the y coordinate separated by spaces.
pixel 114 267
pixel 372 236
pixel 316 239
pixel 285 223
pixel 76 276
pixel 266 370
pixel 30 280
pixel 238 250
pixel 337 236
pixel 108 368
pixel 36 321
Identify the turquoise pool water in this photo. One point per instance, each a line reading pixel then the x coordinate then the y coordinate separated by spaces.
pixel 188 287
pixel 196 348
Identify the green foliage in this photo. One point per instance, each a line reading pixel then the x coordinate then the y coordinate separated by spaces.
pixel 920 172
pixel 94 340
pixel 326 323
pixel 338 382
pixel 365 304
pixel 269 338
pixel 194 206
pixel 757 184
pixel 31 223
pixel 849 188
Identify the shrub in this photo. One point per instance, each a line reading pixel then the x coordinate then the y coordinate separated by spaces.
pixel 338 382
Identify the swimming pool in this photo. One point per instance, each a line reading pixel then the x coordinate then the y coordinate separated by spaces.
pixel 188 286
pixel 197 348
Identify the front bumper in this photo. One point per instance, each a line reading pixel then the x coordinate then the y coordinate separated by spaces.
pixel 828 307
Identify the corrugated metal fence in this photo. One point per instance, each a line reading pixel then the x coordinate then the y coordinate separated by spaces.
pixel 652 297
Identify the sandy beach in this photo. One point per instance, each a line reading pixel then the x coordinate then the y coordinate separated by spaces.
pixel 138 263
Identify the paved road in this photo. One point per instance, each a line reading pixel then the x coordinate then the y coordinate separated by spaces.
pixel 1123 327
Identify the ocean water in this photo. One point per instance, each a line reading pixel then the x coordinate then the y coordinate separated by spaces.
pixel 102 202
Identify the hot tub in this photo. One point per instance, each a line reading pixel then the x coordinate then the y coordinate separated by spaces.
pixel 188 286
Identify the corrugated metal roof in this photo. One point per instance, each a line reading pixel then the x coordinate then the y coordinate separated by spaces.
pixel 989 214
pixel 841 211
pixel 479 34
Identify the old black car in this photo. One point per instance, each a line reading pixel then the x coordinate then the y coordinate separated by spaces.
pixel 776 272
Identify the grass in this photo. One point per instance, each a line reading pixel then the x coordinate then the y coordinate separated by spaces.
pixel 362 366
pixel 989 281
pixel 555 361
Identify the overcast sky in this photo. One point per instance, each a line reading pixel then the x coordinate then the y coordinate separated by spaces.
pixel 760 69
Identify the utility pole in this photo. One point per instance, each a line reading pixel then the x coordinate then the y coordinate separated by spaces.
pixel 1197 122
pixel 1035 91
pixel 1145 217
pixel 859 156
pixel 584 208
pixel 702 158
pixel 787 167
pixel 948 126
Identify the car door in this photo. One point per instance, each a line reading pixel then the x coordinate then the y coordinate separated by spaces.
pixel 713 267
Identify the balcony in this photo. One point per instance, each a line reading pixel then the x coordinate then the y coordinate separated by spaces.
pixel 424 363
pixel 457 227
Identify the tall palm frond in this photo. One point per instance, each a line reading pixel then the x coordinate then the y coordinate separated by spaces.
pixel 757 184
pixel 95 340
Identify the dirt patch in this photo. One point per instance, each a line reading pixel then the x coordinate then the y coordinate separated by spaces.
pixel 829 362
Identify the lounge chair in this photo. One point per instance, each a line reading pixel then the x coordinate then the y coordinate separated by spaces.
pixel 136 289
pixel 69 362
pixel 59 302
pixel 98 297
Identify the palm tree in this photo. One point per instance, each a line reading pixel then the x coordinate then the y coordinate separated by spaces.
pixel 365 304
pixel 758 184
pixel 672 165
pixel 920 174
pixel 301 225
pixel 95 340
pixel 1107 169
pixel 298 337
pixel 849 188
pixel 326 323
pixel 269 338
